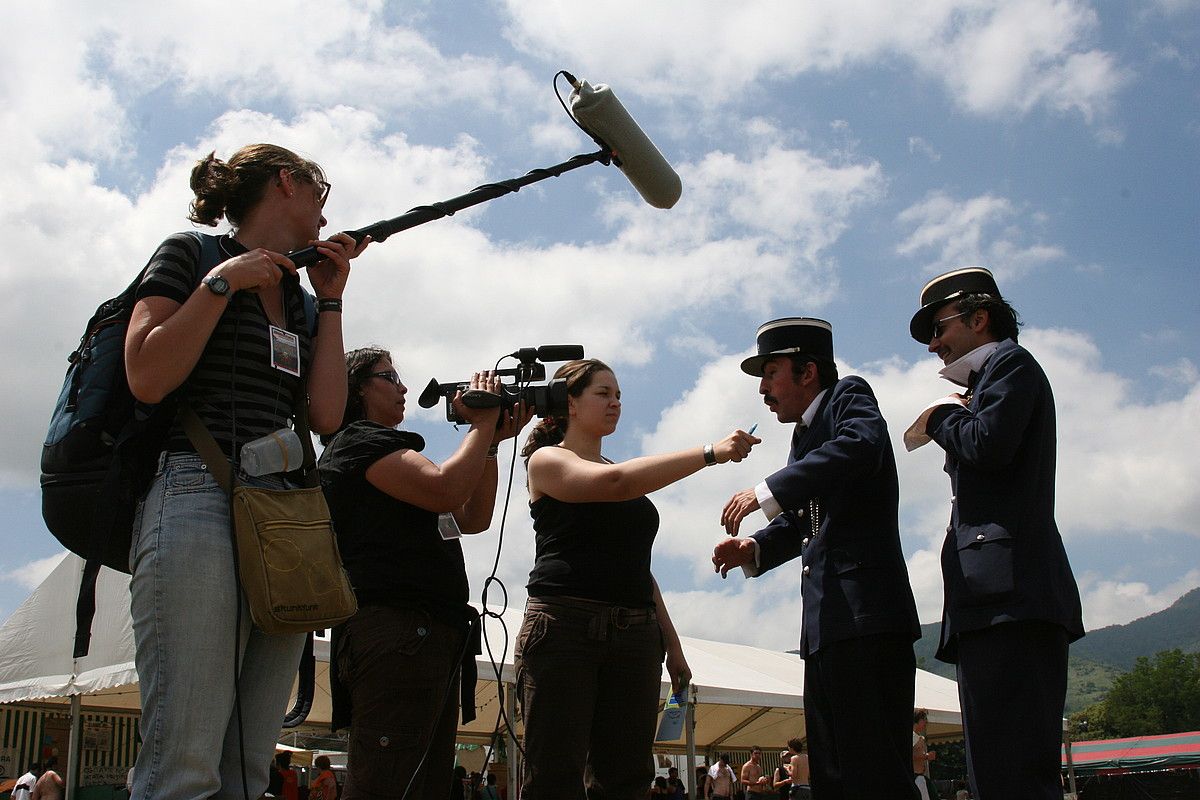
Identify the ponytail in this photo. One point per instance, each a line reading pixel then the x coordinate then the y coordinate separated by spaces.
pixel 232 189
pixel 547 432
pixel 550 431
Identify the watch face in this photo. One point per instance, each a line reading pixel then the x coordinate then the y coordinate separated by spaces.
pixel 218 285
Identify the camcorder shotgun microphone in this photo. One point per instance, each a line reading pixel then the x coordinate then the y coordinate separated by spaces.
pixel 549 352
pixel 601 114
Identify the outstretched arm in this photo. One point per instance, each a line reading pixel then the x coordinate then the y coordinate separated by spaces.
pixel 567 477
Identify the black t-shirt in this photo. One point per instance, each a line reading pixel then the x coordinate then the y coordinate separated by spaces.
pixel 238 352
pixel 785 791
pixel 391 549
pixel 597 551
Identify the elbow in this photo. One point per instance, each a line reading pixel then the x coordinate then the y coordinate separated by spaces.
pixel 474 525
pixel 145 391
pixel 618 486
pixel 443 502
pixel 324 424
pixel 989 457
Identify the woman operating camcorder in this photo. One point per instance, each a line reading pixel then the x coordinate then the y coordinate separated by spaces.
pixel 398 517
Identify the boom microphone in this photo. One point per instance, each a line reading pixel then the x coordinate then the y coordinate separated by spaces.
pixel 598 110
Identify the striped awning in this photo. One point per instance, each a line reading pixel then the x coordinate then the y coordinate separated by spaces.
pixel 1136 754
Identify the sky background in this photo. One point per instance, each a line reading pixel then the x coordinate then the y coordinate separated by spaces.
pixel 834 156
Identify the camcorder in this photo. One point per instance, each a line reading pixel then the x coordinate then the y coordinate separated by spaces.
pixel 546 400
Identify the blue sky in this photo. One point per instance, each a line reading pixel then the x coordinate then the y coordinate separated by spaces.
pixel 834 156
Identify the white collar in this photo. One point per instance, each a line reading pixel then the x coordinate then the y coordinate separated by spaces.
pixel 809 413
pixel 959 371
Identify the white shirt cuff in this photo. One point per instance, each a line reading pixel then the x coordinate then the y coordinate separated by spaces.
pixel 916 436
pixel 767 502
pixel 748 570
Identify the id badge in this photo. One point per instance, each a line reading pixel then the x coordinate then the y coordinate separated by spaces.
pixel 285 351
pixel 448 526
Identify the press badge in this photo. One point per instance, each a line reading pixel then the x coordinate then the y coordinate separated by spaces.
pixel 285 351
pixel 448 526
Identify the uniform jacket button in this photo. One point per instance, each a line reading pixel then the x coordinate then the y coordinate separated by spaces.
pixel 806 570
pixel 980 537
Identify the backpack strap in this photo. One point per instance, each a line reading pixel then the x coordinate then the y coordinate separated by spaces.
pixel 210 254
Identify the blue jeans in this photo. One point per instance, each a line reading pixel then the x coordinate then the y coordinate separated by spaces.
pixel 184 601
pixel 588 675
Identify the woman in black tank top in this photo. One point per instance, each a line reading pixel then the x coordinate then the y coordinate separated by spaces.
pixel 590 651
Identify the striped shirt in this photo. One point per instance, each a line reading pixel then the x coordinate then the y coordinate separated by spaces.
pixel 234 389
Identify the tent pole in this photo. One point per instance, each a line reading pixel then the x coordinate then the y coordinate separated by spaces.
pixel 74 747
pixel 689 728
pixel 514 754
pixel 1070 760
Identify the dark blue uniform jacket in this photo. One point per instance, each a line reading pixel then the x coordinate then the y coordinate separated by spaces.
pixel 854 582
pixel 1003 558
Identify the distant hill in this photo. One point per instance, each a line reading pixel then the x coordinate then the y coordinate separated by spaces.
pixel 1171 628
pixel 1098 658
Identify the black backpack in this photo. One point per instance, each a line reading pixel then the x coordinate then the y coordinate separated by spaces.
pixel 102 448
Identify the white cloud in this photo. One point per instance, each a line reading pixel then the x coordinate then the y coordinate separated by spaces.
pixel 974 231
pixel 761 612
pixel 1113 602
pixel 73 76
pixel 1119 467
pixel 30 575
pixel 1017 55
pixel 1181 372
pixel 353 51
pixel 918 145
pixel 994 57
pixel 52 107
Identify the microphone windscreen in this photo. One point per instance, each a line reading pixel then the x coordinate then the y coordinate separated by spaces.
pixel 599 110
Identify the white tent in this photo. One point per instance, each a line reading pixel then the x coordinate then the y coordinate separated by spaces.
pixel 743 695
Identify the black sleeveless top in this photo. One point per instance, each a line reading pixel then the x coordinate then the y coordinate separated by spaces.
pixel 597 551
pixel 392 549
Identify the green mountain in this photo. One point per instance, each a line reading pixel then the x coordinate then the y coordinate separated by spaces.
pixel 1177 627
pixel 1098 658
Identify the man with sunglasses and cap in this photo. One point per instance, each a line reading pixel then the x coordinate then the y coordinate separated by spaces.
pixel 1011 602
pixel 835 505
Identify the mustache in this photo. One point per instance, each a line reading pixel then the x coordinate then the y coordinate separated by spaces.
pixel 767 398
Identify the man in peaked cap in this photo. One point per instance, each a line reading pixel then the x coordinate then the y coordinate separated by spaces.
pixel 835 506
pixel 1011 603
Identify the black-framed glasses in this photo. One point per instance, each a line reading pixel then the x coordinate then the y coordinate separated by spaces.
pixel 940 325
pixel 389 375
pixel 325 186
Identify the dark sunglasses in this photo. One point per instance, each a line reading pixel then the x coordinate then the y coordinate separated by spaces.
pixel 390 375
pixel 939 327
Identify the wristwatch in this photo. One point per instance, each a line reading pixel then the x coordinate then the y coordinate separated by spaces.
pixel 217 285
